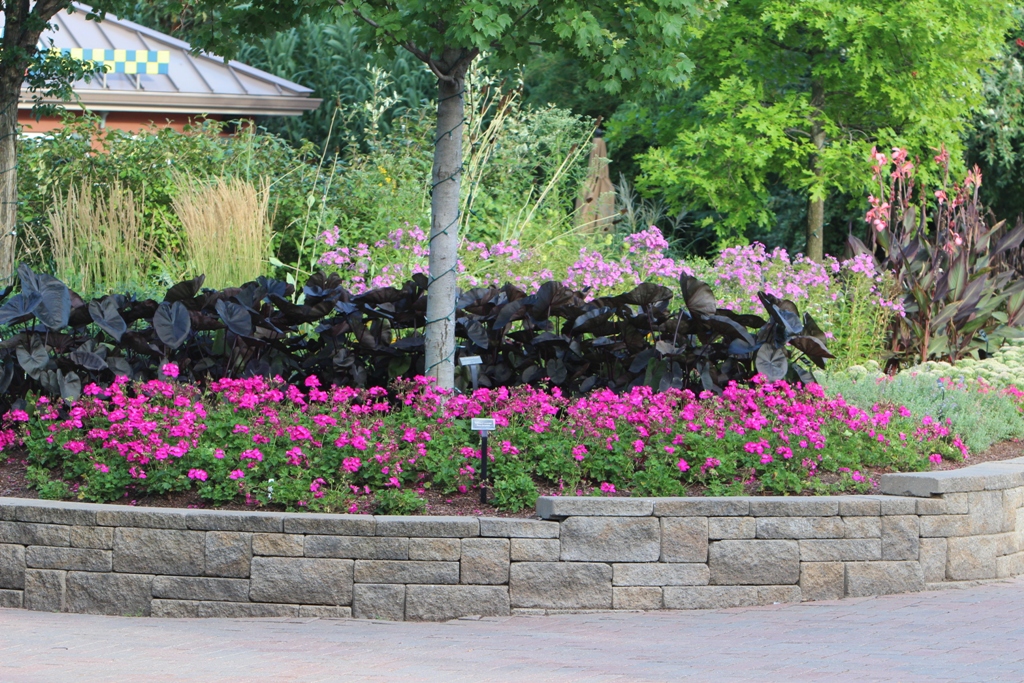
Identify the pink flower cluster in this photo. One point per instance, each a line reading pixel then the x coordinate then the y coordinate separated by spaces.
pixel 741 272
pixel 327 448
pixel 736 275
pixel 392 260
pixel 645 260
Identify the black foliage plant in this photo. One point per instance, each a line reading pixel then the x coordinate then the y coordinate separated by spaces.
pixel 52 341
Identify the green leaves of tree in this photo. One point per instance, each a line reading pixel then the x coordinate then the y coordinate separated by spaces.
pixel 890 72
pixel 639 44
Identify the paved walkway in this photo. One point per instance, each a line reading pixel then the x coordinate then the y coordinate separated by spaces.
pixel 973 634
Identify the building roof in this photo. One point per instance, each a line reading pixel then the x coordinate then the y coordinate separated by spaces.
pixel 152 72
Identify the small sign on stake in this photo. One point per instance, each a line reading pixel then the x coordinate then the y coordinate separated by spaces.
pixel 484 425
pixel 473 363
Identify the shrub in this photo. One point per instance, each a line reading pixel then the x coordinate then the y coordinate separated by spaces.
pixel 147 163
pixel 523 170
pixel 331 59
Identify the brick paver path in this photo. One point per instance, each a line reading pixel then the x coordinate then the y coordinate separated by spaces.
pixel 973 634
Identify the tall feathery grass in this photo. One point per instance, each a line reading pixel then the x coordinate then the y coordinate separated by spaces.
pixel 227 228
pixel 97 239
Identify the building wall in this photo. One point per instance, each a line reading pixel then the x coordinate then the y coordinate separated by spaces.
pixel 118 120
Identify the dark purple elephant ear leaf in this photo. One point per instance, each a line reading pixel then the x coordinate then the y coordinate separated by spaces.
pixel 697 296
pixel 235 317
pixel 771 362
pixel 19 306
pixel 53 308
pixel 172 323
pixel 185 290
pixel 105 315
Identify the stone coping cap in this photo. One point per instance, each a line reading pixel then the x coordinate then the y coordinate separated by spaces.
pixel 562 507
pixel 986 476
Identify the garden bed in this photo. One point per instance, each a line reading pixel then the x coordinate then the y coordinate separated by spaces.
pixel 262 444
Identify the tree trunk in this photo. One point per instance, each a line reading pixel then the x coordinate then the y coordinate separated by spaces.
pixel 816 207
pixel 446 181
pixel 10 90
pixel 815 230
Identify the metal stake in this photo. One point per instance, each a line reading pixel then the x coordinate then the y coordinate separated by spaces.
pixel 483 467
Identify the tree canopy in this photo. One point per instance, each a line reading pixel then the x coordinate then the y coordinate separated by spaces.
pixel 996 139
pixel 798 91
pixel 636 44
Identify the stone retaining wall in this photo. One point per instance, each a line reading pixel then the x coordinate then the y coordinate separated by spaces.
pixel 584 554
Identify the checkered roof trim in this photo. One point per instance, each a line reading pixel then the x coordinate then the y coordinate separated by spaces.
pixel 125 61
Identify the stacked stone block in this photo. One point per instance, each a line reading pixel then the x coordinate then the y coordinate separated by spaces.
pixel 585 553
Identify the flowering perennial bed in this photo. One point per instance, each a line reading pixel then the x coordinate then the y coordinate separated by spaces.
pixel 362 450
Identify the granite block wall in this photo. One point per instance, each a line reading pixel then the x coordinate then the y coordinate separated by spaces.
pixel 582 554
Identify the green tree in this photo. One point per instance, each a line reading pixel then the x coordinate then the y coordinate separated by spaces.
pixel 996 138
pixel 796 92
pixel 637 44
pixel 48 77
pixel 333 59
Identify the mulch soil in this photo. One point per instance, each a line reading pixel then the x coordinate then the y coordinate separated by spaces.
pixel 14 485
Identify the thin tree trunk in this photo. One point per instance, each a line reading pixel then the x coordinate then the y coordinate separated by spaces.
pixel 24 22
pixel 10 90
pixel 444 223
pixel 816 207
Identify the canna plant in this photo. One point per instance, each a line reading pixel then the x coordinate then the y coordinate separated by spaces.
pixel 961 275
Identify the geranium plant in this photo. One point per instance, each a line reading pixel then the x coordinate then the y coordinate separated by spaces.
pixel 269 443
